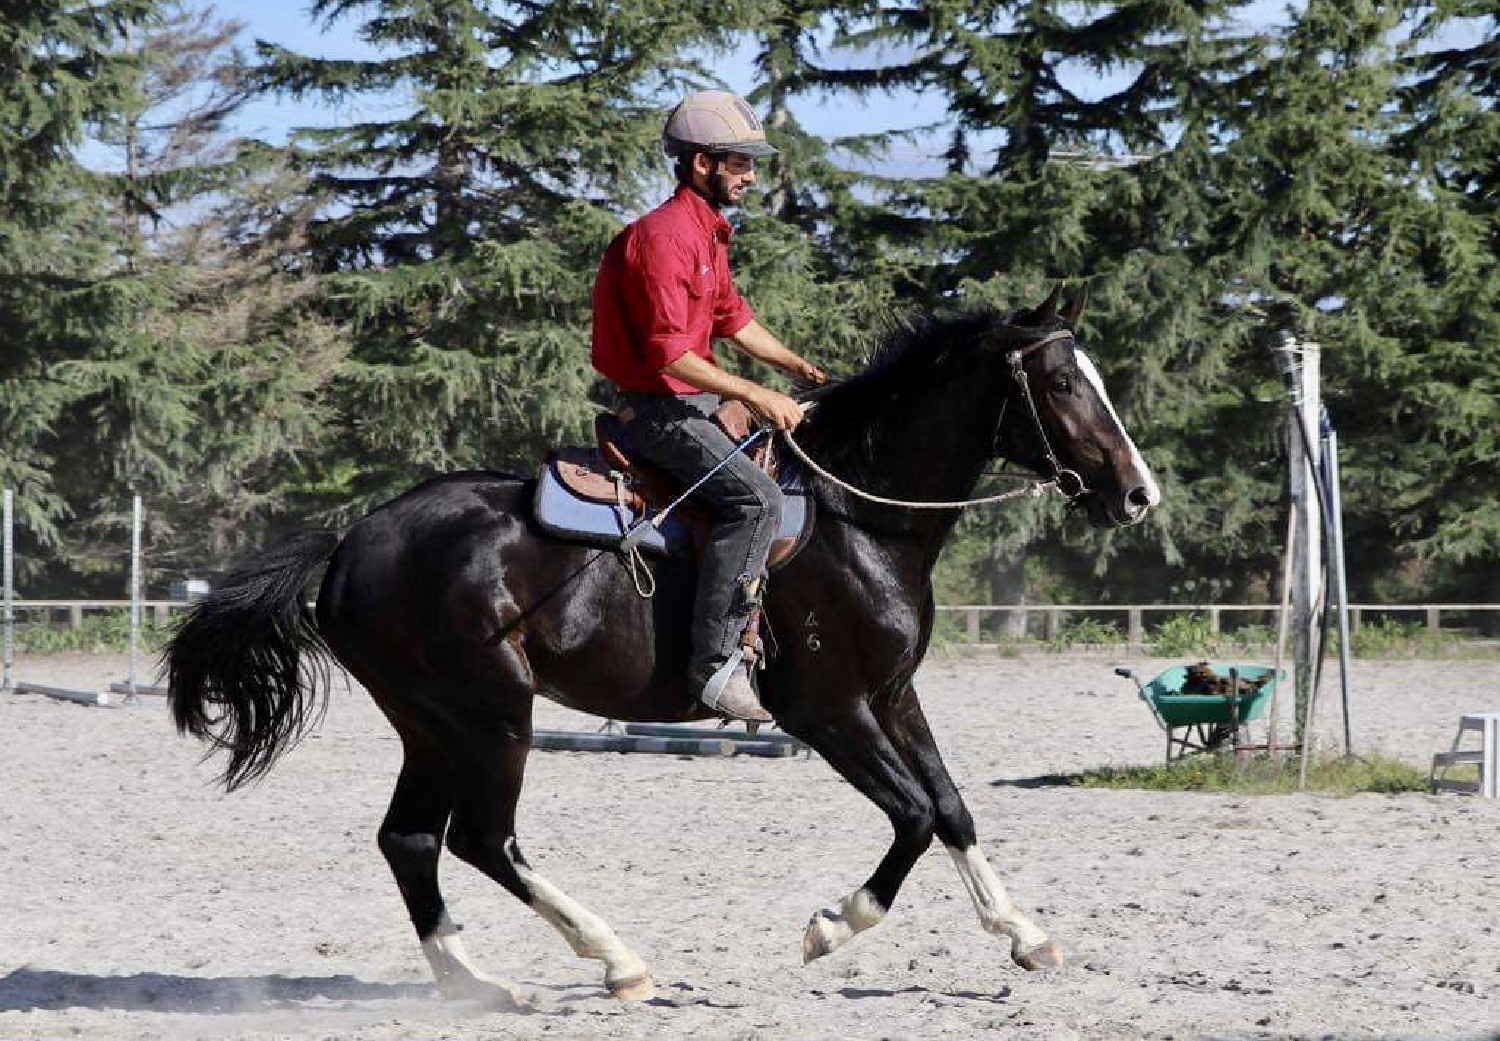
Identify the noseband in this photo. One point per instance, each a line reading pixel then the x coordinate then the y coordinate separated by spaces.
pixel 1067 481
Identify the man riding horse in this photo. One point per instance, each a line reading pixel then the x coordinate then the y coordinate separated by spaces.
pixel 663 293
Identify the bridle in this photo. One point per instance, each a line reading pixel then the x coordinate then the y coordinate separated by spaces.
pixel 1066 481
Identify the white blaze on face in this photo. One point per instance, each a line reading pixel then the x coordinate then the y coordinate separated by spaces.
pixel 1086 366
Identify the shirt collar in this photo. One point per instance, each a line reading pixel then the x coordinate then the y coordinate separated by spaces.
pixel 712 221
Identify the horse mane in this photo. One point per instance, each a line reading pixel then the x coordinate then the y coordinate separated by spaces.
pixel 916 352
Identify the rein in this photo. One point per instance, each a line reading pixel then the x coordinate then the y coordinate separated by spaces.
pixel 1062 478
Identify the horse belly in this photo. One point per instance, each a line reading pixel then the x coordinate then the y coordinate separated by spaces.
pixel 613 653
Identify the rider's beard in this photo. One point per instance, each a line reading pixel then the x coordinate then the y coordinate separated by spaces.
pixel 719 189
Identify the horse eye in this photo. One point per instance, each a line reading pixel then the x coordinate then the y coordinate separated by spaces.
pixel 1062 384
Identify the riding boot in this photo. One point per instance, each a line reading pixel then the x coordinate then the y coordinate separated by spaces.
pixel 730 693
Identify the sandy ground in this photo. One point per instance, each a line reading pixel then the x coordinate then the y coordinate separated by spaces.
pixel 139 902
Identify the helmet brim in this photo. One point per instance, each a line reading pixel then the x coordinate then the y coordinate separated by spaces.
pixel 754 149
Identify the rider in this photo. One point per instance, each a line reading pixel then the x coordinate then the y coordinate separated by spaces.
pixel 663 292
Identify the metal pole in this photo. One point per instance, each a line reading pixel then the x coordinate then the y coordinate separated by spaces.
pixel 7 681
pixel 1299 362
pixel 135 593
pixel 1336 564
pixel 1283 619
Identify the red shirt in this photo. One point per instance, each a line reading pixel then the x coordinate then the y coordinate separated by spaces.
pixel 664 289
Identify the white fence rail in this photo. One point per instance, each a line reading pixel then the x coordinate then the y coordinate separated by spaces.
pixel 1016 619
pixel 979 620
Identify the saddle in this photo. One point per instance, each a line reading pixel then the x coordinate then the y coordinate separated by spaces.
pixel 599 493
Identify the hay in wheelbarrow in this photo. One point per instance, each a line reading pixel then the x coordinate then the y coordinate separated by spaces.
pixel 1204 707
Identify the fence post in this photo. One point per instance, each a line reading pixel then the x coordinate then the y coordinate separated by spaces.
pixel 75 616
pixel 135 592
pixel 1054 624
pixel 1434 619
pixel 1213 619
pixel 972 618
pixel 1136 631
pixel 8 577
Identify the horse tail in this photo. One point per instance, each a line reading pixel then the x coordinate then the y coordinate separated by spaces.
pixel 247 668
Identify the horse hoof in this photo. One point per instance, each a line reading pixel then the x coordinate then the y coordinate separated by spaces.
pixel 1047 956
pixel 632 988
pixel 816 942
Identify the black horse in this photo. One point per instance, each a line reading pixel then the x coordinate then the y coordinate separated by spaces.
pixel 455 612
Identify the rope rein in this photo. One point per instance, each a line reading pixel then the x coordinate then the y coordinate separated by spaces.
pixel 1036 487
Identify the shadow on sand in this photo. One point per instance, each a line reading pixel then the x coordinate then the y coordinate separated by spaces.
pixel 27 989
pixel 1044 781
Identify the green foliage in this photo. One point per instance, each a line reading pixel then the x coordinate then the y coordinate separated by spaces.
pixel 1260 775
pixel 1392 638
pixel 60 291
pixel 1085 632
pixel 410 294
pixel 1186 635
pixel 101 632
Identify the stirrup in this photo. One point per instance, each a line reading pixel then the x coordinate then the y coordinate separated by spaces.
pixel 730 693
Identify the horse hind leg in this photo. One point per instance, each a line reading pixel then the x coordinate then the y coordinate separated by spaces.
pixel 411 838
pixel 487 779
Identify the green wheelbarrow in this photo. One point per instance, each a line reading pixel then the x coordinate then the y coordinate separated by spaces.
pixel 1205 722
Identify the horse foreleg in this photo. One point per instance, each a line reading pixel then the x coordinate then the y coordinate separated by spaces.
pixel 854 745
pixel 483 834
pixel 906 725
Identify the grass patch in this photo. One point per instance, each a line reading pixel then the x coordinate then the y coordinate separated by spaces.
pixel 1259 775
pixel 99 633
pixel 1388 638
pixel 1087 632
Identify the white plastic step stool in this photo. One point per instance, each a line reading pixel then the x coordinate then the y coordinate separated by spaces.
pixel 1487 757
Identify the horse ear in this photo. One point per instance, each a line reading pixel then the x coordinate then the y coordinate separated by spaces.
pixel 1074 307
pixel 1047 313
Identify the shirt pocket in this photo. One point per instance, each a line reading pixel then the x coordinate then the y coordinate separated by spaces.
pixel 702 282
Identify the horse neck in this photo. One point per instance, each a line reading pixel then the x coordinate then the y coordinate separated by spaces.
pixel 932 448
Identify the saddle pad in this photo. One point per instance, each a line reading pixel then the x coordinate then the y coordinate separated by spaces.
pixel 562 513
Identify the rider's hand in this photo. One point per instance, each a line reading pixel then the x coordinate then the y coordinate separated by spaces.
pixel 776 408
pixel 808 372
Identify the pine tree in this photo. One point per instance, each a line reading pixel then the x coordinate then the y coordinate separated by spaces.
pixel 194 386
pixel 463 232
pixel 812 272
pixel 1436 301
pixel 61 72
pixel 1049 181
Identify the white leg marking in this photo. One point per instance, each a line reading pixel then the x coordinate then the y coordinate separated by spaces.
pixel 1086 366
pixel 833 926
pixel 589 935
pixel 998 913
pixel 457 976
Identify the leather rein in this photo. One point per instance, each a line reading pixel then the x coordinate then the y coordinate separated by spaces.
pixel 1066 481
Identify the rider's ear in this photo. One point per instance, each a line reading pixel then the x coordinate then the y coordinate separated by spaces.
pixel 1074 307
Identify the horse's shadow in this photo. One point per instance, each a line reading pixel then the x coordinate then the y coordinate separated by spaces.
pixel 27 989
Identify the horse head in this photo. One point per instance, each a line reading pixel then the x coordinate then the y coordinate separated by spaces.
pixel 1058 419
